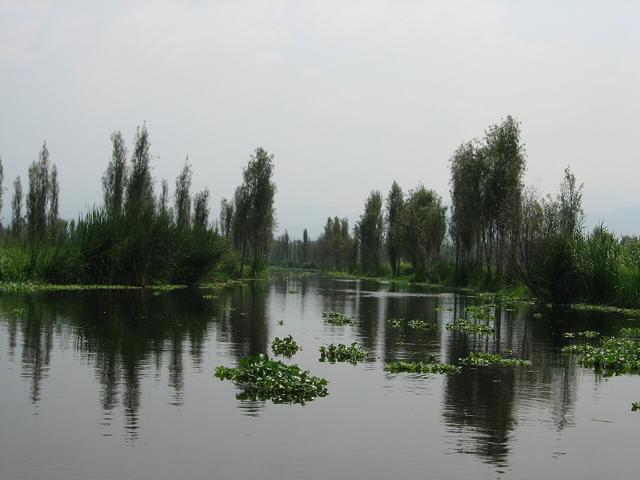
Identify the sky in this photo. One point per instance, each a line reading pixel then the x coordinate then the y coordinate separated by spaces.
pixel 347 95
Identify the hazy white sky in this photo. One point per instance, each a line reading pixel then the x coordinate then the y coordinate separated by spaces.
pixel 348 95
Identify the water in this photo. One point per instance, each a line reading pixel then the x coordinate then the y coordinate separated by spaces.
pixel 119 384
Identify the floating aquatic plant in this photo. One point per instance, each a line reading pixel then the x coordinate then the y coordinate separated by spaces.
pixel 537 315
pixel 481 312
pixel 419 325
pixel 585 334
pixel 209 297
pixel 280 322
pixel 635 407
pixel 285 346
pixel 337 318
pixel 395 322
pixel 630 332
pixel 611 356
pixel 481 359
pixel 265 379
pixel 342 353
pixel 18 311
pixel 421 367
pixel 463 325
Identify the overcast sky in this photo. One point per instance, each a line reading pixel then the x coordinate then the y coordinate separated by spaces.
pixel 347 95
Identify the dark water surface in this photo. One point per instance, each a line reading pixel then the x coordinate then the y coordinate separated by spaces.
pixel 119 385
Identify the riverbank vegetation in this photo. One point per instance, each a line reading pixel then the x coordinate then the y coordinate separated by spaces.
pixel 496 234
pixel 138 236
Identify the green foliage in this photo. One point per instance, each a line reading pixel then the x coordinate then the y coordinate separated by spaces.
pixel 285 346
pixel 420 325
pixel 342 353
pixel 369 233
pixel 611 356
pixel 265 379
pixel 395 322
pixel 421 367
pixel 635 407
pixel 481 359
pixel 465 326
pixel 630 332
pixel 337 318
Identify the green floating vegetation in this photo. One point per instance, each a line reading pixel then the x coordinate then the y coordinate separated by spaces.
pixel 337 318
pixel 465 326
pixel 585 334
pixel 443 309
pixel 630 332
pixel 285 346
pixel 587 307
pixel 17 311
pixel 635 407
pixel 537 315
pixel 280 322
pixel 482 359
pixel 395 322
pixel 421 367
pixel 209 297
pixel 611 356
pixel 342 353
pixel 419 325
pixel 265 379
pixel 481 312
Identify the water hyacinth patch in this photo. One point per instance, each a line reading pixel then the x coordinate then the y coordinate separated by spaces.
pixel 630 332
pixel 419 325
pixel 481 359
pixel 265 379
pixel 421 367
pixel 585 334
pixel 394 322
pixel 635 407
pixel 612 356
pixel 286 346
pixel 465 326
pixel 337 318
pixel 342 353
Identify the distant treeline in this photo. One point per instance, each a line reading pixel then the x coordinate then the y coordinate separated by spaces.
pixel 137 236
pixel 496 233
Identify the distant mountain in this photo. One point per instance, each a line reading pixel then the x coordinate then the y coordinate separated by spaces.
pixel 621 221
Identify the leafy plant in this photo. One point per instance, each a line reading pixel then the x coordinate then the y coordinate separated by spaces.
pixel 265 379
pixel 463 325
pixel 482 359
pixel 342 353
pixel 395 322
pixel 421 367
pixel 419 325
pixel 337 318
pixel 635 407
pixel 611 356
pixel 286 346
pixel 630 332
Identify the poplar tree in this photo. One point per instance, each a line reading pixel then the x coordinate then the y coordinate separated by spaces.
pixel 182 197
pixel 139 190
pixel 394 205
pixel 16 208
pixel 114 180
pixel 370 228
pixel 201 210
pixel 38 195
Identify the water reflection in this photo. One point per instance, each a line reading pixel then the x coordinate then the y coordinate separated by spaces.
pixel 127 337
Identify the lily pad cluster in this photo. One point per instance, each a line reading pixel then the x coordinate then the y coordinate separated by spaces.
pixel 421 367
pixel 264 379
pixel 611 356
pixel 482 359
pixel 337 318
pixel 342 353
pixel 285 346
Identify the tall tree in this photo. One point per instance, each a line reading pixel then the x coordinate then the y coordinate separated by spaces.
pixel 394 205
pixel 226 217
pixel 305 247
pixel 370 228
pixel 38 195
pixel 54 200
pixel 201 210
pixel 570 203
pixel 240 224
pixel 182 196
pixel 163 201
pixel 16 208
pixel 114 180
pixel 1 185
pixel 139 192
pixel 260 194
